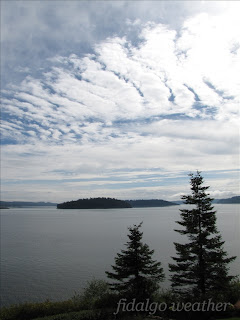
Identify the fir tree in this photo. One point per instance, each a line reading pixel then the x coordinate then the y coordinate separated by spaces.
pixel 201 267
pixel 136 273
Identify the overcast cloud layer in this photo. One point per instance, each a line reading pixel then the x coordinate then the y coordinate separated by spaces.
pixel 119 99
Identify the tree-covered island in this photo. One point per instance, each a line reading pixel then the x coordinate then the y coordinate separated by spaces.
pixel 108 203
pixel 94 203
pixel 151 203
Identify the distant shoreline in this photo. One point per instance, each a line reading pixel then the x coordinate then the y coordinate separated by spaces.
pixel 139 203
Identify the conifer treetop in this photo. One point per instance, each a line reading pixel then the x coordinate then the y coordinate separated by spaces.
pixel 135 273
pixel 201 264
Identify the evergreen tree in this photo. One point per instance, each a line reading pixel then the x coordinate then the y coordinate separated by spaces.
pixel 136 273
pixel 201 263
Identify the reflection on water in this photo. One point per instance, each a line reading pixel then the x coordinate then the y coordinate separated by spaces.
pixel 50 253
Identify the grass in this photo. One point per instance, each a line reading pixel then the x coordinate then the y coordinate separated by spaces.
pixel 238 318
pixel 90 315
pixel 81 315
pixel 28 311
pixel 94 303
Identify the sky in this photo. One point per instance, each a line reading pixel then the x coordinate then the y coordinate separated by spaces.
pixel 119 98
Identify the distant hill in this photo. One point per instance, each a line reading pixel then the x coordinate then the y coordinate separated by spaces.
pixel 233 200
pixel 110 203
pixel 94 203
pixel 23 204
pixel 150 203
pixel 177 202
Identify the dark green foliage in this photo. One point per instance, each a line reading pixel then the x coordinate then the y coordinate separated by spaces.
pixel 82 315
pixel 33 312
pixel 90 315
pixel 91 305
pixel 96 295
pixel 200 267
pixel 27 311
pixel 92 293
pixel 137 275
pixel 233 294
pixel 94 203
pixel 238 318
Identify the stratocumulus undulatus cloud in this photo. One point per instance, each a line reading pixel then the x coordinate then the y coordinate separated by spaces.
pixel 131 113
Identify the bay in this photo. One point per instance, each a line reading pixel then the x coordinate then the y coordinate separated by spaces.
pixel 49 253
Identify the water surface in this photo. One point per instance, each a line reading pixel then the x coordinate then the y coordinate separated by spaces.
pixel 52 253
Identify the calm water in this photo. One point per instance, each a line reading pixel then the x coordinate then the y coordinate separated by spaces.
pixel 50 253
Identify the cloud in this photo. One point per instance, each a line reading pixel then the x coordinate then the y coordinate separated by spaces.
pixel 34 31
pixel 167 101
